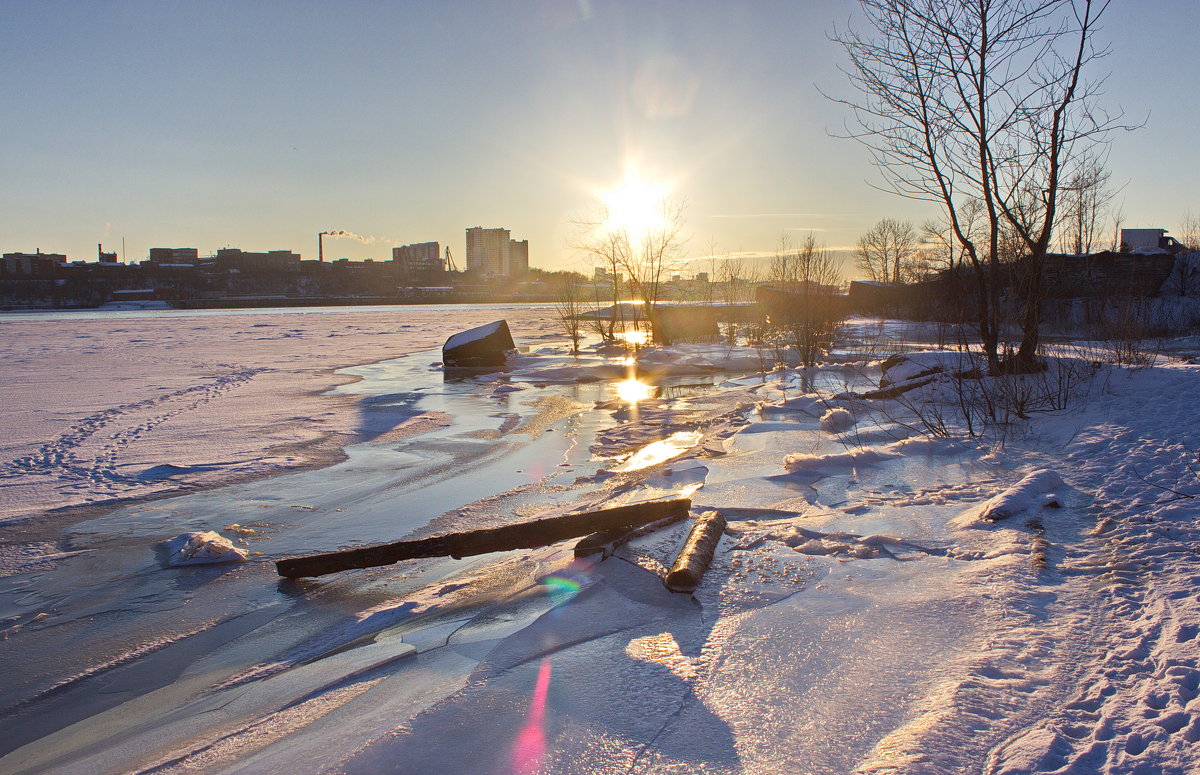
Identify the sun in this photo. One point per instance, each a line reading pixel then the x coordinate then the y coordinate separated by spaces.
pixel 634 206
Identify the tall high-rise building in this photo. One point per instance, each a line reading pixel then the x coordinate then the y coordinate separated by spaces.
pixel 518 258
pixel 487 251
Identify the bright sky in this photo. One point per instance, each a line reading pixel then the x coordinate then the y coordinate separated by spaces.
pixel 259 124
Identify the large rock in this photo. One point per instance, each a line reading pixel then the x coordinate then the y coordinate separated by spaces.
pixel 486 345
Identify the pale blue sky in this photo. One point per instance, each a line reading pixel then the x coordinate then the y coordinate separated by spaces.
pixel 259 124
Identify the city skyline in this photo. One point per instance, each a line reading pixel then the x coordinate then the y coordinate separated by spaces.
pixel 259 126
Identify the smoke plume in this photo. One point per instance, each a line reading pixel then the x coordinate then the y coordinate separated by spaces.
pixel 349 235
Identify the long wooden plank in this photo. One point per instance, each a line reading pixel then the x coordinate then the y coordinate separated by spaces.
pixel 526 535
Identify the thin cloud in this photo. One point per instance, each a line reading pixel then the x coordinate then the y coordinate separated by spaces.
pixel 774 215
pixel 762 255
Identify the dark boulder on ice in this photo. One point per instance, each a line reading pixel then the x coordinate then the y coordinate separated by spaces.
pixel 483 346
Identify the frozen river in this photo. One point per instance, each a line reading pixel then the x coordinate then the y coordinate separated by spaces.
pixel 858 616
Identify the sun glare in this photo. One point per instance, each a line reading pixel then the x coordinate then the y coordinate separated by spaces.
pixel 635 338
pixel 631 391
pixel 634 206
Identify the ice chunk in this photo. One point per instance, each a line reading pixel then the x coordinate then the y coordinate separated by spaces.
pixel 199 548
pixel 827 465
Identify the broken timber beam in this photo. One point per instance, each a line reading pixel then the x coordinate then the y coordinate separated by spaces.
pixel 605 542
pixel 697 553
pixel 525 535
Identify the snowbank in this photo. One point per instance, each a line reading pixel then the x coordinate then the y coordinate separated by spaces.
pixel 1035 490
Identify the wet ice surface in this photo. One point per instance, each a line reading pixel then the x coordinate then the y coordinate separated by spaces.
pixel 440 446
pixel 860 615
pixel 392 642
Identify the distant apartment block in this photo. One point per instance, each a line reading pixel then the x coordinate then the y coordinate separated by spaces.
pixel 271 261
pixel 492 253
pixel 174 255
pixel 30 264
pixel 518 258
pixel 487 251
pixel 419 263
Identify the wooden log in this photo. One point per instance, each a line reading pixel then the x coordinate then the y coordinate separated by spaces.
pixel 696 554
pixel 525 535
pixel 606 542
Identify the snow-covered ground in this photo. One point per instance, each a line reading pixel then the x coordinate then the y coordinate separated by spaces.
pixel 891 595
pixel 102 407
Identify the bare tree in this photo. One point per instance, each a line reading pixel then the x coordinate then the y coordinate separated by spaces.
pixel 569 306
pixel 1118 221
pixel 809 319
pixel 646 259
pixel 887 251
pixel 984 101
pixel 938 234
pixel 1189 231
pixel 1085 203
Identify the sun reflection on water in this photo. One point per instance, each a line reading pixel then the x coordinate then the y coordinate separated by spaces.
pixel 631 390
pixel 635 338
pixel 660 451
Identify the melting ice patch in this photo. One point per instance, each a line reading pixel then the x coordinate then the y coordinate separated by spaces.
pixel 660 451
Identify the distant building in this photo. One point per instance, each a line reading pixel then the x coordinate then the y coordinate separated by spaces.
pixel 1149 241
pixel 420 263
pixel 601 276
pixel 492 253
pixel 30 264
pixel 271 261
pixel 174 255
pixel 105 258
pixel 518 258
pixel 487 251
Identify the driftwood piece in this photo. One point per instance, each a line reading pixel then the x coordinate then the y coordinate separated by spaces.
pixel 896 389
pixel 525 535
pixel 606 542
pixel 696 554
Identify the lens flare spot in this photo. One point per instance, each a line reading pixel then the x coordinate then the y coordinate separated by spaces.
pixel 561 590
pixel 529 749
pixel 564 585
